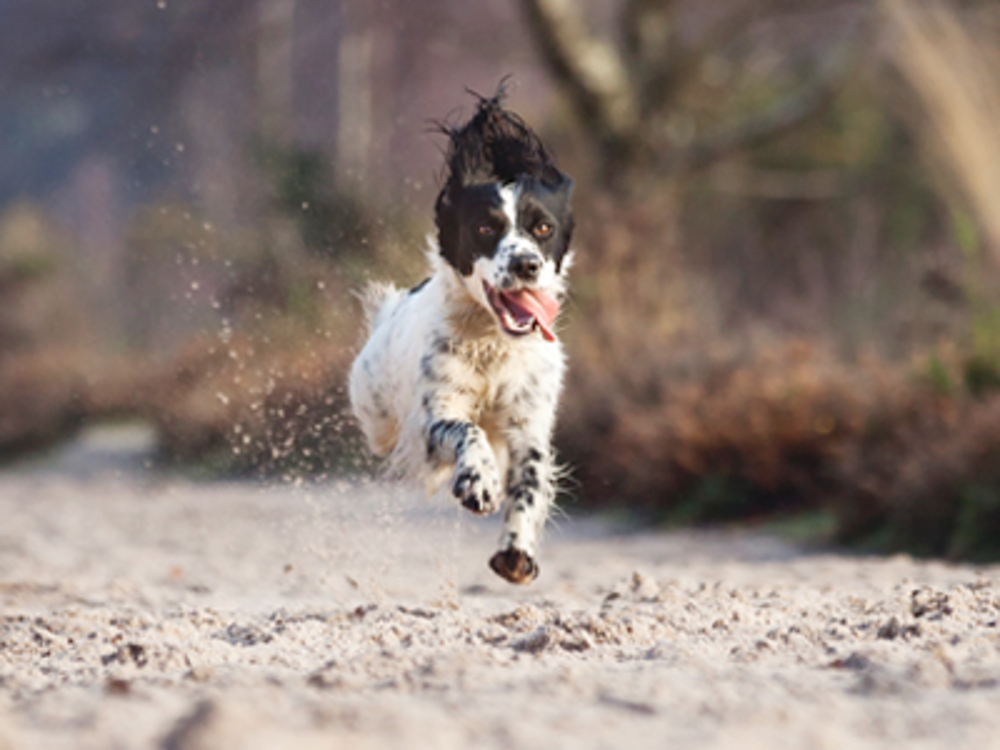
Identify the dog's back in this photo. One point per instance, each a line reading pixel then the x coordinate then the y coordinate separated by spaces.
pixel 378 300
pixel 383 377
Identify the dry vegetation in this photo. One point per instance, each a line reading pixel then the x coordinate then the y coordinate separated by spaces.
pixel 851 361
pixel 898 463
pixel 44 359
pixel 263 411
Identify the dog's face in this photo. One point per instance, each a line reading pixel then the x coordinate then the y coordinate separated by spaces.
pixel 509 243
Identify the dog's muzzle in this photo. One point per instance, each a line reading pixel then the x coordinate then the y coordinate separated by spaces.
pixel 526 266
pixel 522 310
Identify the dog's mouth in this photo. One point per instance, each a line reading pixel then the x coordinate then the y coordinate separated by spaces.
pixel 523 310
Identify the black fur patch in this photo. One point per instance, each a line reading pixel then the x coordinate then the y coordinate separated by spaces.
pixel 496 147
pixel 542 202
pixel 529 478
pixel 449 432
pixel 420 286
pixel 427 371
pixel 523 480
pixel 441 345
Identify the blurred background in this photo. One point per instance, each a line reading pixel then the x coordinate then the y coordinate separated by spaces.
pixel 785 307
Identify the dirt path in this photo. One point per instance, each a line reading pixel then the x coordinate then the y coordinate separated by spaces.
pixel 176 615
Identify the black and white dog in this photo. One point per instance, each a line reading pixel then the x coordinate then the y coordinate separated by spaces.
pixel 461 375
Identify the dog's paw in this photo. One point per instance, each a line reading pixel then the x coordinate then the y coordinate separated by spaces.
pixel 514 565
pixel 477 488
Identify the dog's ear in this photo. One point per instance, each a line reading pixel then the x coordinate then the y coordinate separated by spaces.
pixel 564 239
pixel 556 181
pixel 449 233
pixel 560 188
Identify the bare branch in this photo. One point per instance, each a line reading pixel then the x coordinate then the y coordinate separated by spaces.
pixel 589 70
pixel 666 79
pixel 650 43
pixel 950 64
pixel 776 120
pixel 643 31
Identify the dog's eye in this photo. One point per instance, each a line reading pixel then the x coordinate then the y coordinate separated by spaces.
pixel 486 230
pixel 542 230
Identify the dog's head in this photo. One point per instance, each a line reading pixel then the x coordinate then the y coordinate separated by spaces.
pixel 504 219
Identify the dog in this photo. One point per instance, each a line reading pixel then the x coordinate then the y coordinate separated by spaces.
pixel 461 375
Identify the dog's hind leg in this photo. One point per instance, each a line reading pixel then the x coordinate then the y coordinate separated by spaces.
pixel 371 407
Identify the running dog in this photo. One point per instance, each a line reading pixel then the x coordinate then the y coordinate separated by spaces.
pixel 461 375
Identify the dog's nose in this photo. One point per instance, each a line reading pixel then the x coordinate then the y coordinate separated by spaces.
pixel 526 267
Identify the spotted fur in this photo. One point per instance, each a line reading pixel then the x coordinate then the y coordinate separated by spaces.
pixel 443 386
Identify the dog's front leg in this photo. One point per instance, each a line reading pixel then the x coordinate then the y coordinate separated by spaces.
pixel 531 480
pixel 448 399
pixel 530 493
pixel 448 402
pixel 475 481
pixel 448 396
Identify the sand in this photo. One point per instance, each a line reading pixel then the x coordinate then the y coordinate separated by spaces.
pixel 145 611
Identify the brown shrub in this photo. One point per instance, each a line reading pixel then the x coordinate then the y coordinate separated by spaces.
pixel 246 407
pixel 901 463
pixel 43 395
pixel 925 478
pixel 774 423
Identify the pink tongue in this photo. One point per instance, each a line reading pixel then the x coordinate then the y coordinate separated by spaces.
pixel 539 305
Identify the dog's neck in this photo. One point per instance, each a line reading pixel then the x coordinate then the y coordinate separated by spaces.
pixel 467 318
pixel 473 330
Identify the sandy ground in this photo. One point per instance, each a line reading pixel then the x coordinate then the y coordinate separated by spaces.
pixel 142 612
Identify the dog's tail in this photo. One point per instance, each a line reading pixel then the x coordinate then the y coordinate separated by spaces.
pixel 378 299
